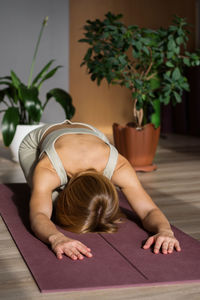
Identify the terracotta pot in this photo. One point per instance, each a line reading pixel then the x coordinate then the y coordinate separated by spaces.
pixel 138 146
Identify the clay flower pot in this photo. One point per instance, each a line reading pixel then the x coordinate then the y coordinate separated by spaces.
pixel 138 146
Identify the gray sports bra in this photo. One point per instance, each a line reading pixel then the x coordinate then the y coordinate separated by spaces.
pixel 49 141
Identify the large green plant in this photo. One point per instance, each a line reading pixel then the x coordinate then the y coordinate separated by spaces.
pixel 151 63
pixel 21 102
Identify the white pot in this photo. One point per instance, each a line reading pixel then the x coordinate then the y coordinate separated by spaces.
pixel 21 132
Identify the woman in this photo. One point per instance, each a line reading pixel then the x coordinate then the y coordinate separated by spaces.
pixel 75 164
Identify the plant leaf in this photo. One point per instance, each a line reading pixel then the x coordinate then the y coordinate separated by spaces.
pixel 32 104
pixel 176 74
pixel 6 77
pixel 171 45
pixel 15 80
pixel 177 96
pixel 186 61
pixel 48 75
pixel 155 83
pixel 2 95
pixel 169 64
pixel 5 82
pixel 64 99
pixel 9 123
pixel 12 94
pixel 155 117
pixel 185 86
pixel 42 72
pixel 146 50
pixel 88 54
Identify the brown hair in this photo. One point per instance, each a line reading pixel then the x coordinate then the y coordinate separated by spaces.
pixel 89 203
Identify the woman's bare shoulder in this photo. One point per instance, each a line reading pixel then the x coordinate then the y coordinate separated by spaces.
pixel 124 174
pixel 122 163
pixel 45 177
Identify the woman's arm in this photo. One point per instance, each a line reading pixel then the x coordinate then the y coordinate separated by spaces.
pixel 152 218
pixel 44 182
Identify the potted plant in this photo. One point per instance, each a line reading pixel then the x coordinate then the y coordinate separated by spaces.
pixel 151 64
pixel 22 107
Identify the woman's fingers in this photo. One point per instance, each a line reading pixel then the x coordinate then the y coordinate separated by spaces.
pixel 59 253
pixel 73 253
pixel 177 246
pixel 158 244
pixel 166 244
pixel 171 247
pixel 149 242
pixel 74 249
pixel 84 250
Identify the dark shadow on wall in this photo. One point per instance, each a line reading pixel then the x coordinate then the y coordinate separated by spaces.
pixel 184 117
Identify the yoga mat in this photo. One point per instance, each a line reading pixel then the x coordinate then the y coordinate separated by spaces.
pixel 118 259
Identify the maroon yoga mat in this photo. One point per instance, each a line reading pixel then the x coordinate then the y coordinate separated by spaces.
pixel 118 259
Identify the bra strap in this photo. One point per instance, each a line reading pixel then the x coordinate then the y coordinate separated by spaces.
pixel 112 161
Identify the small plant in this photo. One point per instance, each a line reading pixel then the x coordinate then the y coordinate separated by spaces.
pixel 22 103
pixel 151 63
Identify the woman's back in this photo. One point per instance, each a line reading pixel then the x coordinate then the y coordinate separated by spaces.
pixel 78 152
pixel 65 149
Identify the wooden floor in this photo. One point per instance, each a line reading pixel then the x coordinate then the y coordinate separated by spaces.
pixel 175 187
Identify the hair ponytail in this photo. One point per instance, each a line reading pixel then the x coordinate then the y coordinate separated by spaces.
pixel 89 203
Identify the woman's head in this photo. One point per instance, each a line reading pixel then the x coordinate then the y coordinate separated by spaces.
pixel 89 203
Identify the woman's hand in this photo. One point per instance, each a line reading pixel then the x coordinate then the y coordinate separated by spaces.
pixel 164 241
pixel 61 244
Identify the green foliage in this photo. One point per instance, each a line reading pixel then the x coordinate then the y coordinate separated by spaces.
pixel 151 63
pixel 22 103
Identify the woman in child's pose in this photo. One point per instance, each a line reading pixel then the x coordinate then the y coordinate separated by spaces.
pixel 75 164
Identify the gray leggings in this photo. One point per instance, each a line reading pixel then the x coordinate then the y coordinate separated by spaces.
pixel 29 151
pixel 29 154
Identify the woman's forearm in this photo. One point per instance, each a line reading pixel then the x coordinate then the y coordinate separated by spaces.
pixel 44 228
pixel 156 222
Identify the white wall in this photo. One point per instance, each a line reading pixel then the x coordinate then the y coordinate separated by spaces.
pixel 20 22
